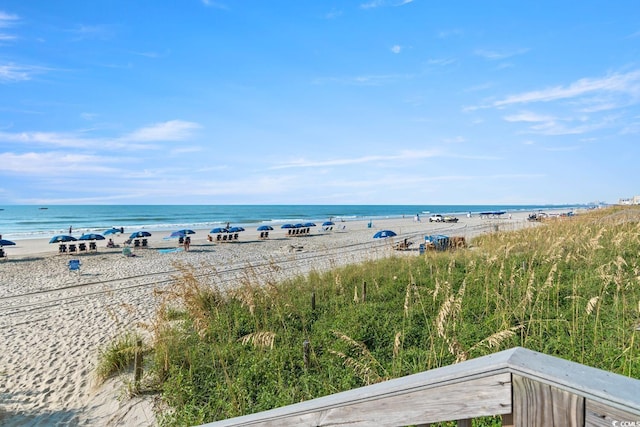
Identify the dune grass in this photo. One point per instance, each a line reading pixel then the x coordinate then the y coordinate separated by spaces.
pixel 569 288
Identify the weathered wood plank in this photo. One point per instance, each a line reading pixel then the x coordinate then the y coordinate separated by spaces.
pixel 596 384
pixel 600 415
pixel 539 404
pixel 477 397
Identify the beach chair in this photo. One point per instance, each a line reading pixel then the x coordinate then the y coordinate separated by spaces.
pixel 62 248
pixel 136 243
pixel 218 237
pixel 72 248
pixel 2 254
pixel 145 243
pixel 82 247
pixel 235 236
pixel 266 234
pixel 93 247
pixel 74 266
pixel 181 240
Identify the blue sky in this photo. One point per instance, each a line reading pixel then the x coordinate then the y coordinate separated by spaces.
pixel 318 102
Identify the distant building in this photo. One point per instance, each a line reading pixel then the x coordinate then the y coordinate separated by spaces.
pixel 635 200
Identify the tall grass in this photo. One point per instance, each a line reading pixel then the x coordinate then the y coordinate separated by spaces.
pixel 568 288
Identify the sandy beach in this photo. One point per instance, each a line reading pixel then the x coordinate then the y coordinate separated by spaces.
pixel 55 322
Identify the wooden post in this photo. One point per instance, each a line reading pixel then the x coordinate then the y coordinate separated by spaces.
pixel 137 363
pixel 364 291
pixel 313 301
pixel 305 353
pixel 464 423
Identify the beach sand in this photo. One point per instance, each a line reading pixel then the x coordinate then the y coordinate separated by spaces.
pixel 54 323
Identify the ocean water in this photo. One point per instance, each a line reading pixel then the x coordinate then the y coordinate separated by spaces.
pixel 25 222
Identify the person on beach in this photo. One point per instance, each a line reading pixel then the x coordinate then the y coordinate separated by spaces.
pixel 70 228
pixel 187 243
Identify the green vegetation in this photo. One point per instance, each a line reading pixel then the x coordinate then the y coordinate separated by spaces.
pixel 568 288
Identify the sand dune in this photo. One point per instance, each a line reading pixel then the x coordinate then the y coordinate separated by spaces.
pixel 54 322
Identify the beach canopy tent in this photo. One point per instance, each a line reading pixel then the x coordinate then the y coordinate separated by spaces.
pixel 111 231
pixel 140 234
pixel 62 238
pixel 4 242
pixel 440 242
pixel 383 234
pixel 91 236
pixel 265 228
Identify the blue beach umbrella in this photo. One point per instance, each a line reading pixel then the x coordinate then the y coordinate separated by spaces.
pixel 4 242
pixel 186 231
pixel 265 228
pixel 91 236
pixel 139 234
pixel 288 226
pixel 61 238
pixel 218 230
pixel 308 224
pixel 384 234
pixel 179 233
pixel 326 223
pixel 235 229
pixel 111 231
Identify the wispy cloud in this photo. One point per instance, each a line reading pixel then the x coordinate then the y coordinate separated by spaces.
pixel 54 163
pixel 373 4
pixel 333 14
pixel 396 48
pixel 442 62
pixel 8 19
pixel 404 155
pixel 498 55
pixel 215 4
pixel 92 32
pixel 140 139
pixel 11 73
pixel 527 116
pixel 445 34
pixel 172 130
pixel 364 80
pixel 627 82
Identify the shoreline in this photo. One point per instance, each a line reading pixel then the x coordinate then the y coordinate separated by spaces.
pixel 55 322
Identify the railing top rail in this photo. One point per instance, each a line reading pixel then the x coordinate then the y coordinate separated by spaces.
pixel 605 387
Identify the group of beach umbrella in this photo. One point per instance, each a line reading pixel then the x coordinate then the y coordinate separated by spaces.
pixel 298 225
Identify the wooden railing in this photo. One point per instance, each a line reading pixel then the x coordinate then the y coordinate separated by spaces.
pixel 525 387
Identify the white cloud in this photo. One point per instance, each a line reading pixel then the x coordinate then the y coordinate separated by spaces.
pixel 7 19
pixel 172 130
pixel 527 116
pixel 628 82
pixel 53 163
pixel 404 155
pixel 396 48
pixel 333 14
pixel 441 61
pixel 365 80
pixel 372 4
pixel 10 73
pixel 496 55
pixel 384 3
pixel 214 4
